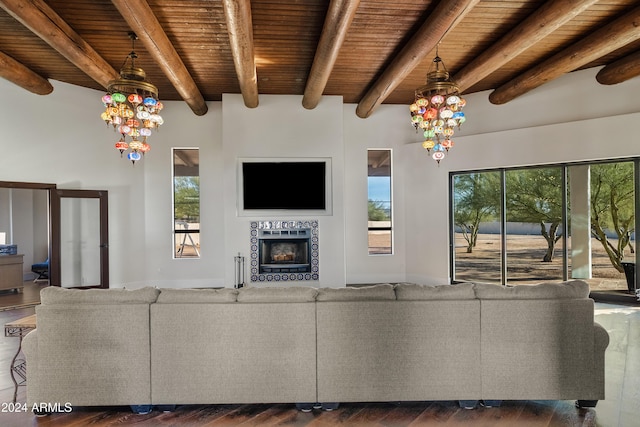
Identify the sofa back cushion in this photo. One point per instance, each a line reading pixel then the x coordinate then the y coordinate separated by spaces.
pixel 361 293
pixel 413 292
pixel 233 353
pixel 58 295
pixel 574 289
pixel 197 296
pixel 92 354
pixel 277 294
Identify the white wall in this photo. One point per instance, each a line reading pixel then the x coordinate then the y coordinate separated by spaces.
pixel 23 219
pixel 279 128
pixel 59 138
pixel 388 127
pixel 23 233
pixel 573 118
pixel 183 129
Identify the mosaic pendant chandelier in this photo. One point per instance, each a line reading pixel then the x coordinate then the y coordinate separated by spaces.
pixel 132 107
pixel 437 110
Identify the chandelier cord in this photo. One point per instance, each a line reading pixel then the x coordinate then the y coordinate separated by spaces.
pixel 132 55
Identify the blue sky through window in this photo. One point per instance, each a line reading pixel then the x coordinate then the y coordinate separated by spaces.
pixel 379 188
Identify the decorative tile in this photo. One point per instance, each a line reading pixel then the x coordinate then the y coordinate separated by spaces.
pixel 254 233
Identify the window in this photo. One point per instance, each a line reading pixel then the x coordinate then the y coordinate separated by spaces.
pixel 534 224
pixel 186 203
pixel 379 202
pixel 529 225
pixel 476 218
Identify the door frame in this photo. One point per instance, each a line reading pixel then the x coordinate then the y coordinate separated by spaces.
pixel 54 225
pixel 55 271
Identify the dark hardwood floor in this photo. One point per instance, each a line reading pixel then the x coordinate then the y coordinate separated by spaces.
pixel 28 296
pixel 512 413
pixel 620 408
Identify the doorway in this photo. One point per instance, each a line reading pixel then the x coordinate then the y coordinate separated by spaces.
pixel 78 249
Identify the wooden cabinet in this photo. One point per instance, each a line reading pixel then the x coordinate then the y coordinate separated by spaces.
pixel 11 272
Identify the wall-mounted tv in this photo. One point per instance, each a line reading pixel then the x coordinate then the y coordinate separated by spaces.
pixel 301 185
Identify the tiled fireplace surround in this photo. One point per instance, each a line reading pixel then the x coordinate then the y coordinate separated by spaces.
pixel 284 250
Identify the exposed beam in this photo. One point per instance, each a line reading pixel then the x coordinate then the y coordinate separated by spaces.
pixel 19 74
pixel 548 18
pixel 621 70
pixel 240 29
pixel 444 18
pixel 336 24
pixel 38 17
pixel 184 157
pixel 144 23
pixel 612 36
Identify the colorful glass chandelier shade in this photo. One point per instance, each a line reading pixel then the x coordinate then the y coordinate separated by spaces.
pixel 132 108
pixel 437 110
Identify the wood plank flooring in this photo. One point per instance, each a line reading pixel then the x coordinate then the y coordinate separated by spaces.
pixel 28 296
pixel 620 408
pixel 446 413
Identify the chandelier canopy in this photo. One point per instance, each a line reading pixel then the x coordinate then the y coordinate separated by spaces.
pixel 437 110
pixel 132 107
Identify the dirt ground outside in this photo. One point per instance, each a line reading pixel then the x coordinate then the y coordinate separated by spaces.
pixel 524 261
pixel 525 265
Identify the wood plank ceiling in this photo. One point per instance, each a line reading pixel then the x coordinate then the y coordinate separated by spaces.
pixel 367 51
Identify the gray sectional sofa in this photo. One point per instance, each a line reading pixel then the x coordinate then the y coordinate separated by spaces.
pixel 400 342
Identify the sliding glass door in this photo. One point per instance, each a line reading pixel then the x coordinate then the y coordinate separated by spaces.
pixel 523 226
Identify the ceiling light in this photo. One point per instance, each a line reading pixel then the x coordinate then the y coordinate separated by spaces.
pixel 437 110
pixel 132 107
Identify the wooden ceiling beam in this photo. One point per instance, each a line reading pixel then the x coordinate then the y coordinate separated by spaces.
pixel 21 75
pixel 621 70
pixel 444 18
pixel 608 38
pixel 240 29
pixel 41 20
pixel 548 18
pixel 336 24
pixel 144 23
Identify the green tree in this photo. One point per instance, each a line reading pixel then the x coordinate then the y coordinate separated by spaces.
pixel 535 196
pixel 476 199
pixel 186 198
pixel 612 208
pixel 377 212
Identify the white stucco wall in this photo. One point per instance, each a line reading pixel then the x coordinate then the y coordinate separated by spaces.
pixel 570 119
pixel 281 128
pixel 59 138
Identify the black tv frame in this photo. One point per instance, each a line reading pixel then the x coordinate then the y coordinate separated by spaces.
pixel 282 206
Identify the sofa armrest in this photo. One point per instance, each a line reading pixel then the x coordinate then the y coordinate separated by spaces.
pixel 601 337
pixel 600 343
pixel 30 342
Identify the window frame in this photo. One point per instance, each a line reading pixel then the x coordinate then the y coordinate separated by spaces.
pixel 185 233
pixel 565 213
pixel 389 228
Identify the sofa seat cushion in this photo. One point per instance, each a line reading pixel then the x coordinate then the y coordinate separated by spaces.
pixel 573 289
pixel 277 294
pixel 58 295
pixel 361 293
pixel 197 296
pixel 413 292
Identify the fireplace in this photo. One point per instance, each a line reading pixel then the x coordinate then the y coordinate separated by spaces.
pixel 284 250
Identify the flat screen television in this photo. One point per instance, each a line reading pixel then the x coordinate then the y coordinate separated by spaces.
pixel 295 185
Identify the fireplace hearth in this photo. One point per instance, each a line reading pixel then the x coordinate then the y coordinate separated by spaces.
pixel 284 251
